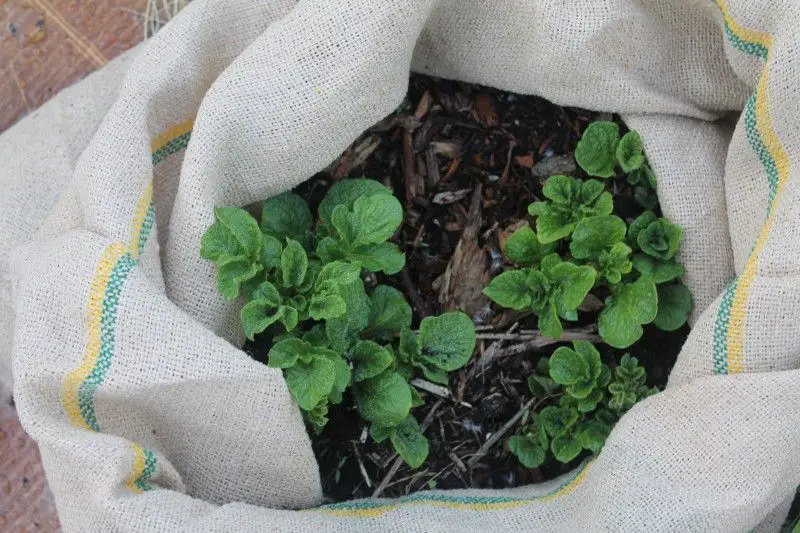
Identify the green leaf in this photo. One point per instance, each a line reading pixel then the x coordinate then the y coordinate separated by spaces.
pixel 288 316
pixel 596 151
pixel 342 374
pixel 345 193
pixel 662 271
pixel 267 294
pixel 369 359
pixel 566 447
pixel 638 225
pixel 271 249
pixel 571 284
pixel 557 420
pixel 568 367
pixel 327 302
pixel 645 197
pixel 311 382
pixel 384 399
pixel 410 348
pixel 615 262
pixel 232 272
pixel 620 323
pixel 549 323
pixel 592 235
pixel 389 312
pixel 447 340
pixel 284 354
pixel 256 318
pixel 552 224
pixel 593 435
pixel 379 433
pixel 431 373
pixel 539 286
pixel 674 306
pixel 416 398
pixel 376 218
pixel 294 263
pixel 510 289
pixel 218 243
pixel 660 239
pixel 562 189
pixel 286 215
pixel 589 403
pixel 524 248
pixel 529 453
pixel 409 442
pixel 386 257
pixel 642 175
pixel 340 272
pixel 342 331
pixel 591 356
pixel 541 386
pixel 630 152
pixel 243 227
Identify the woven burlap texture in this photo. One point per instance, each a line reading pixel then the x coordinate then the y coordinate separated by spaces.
pixel 125 360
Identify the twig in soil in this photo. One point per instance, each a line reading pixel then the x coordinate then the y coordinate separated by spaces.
pixel 437 390
pixel 511 147
pixel 578 334
pixel 361 466
pixel 413 294
pixel 486 446
pixel 457 461
pixel 399 461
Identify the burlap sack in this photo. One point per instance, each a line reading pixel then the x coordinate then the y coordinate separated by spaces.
pixel 125 364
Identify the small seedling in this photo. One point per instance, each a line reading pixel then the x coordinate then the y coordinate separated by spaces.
pixel 303 283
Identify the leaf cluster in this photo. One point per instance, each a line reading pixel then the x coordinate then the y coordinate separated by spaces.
pixel 580 246
pixel 303 283
pixel 585 401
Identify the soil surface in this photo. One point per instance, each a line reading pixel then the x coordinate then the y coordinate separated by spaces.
pixel 465 161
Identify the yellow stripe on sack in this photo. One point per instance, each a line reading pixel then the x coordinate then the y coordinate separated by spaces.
pixel 745 34
pixel 769 138
pixel 139 462
pixel 139 217
pixel 160 140
pixel 94 314
pixel 375 512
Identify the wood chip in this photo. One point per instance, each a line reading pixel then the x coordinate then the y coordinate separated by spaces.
pixel 433 388
pixel 467 271
pixel 484 111
pixel 449 197
pixel 525 161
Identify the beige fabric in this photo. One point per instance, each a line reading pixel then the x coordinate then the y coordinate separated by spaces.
pixel 125 363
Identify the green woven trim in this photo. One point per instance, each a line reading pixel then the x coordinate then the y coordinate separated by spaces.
pixel 172 147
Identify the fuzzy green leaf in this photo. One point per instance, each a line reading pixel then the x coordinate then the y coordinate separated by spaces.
pixel 409 348
pixel 409 442
pixel 638 225
pixel 524 248
pixel 271 249
pixel 593 435
pixel 379 433
pixel 389 312
pixel 615 262
pixel 448 340
pixel 345 193
pixel 218 243
pixel 674 306
pixel 660 239
pixel 369 360
pixel 311 382
pixel 557 420
pixel 384 399
pixel 373 220
pixel 551 224
pixel 541 386
pixel 243 227
pixel 568 367
pixel 288 316
pixel 590 355
pixel 232 272
pixel 630 152
pixel 566 447
pixel 530 454
pixel 340 272
pixel 592 235
pixel 662 271
pixel 596 151
pixel 386 257
pixel 284 354
pixel 257 316
pixel 571 284
pixel 342 331
pixel 294 263
pixel 589 403
pixel 286 215
pixel 549 323
pixel 510 289
pixel 620 323
pixel 327 302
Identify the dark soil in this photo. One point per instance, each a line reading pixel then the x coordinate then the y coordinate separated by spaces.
pixel 465 161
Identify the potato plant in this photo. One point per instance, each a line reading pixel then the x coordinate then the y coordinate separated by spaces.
pixel 579 246
pixel 333 338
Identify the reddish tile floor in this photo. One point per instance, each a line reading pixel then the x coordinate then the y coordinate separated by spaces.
pixel 46 45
